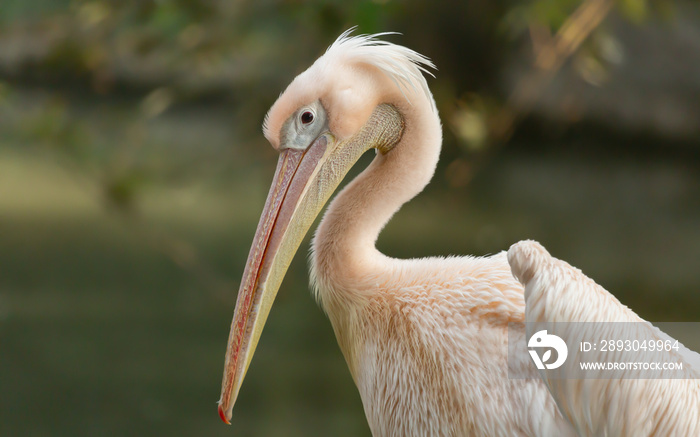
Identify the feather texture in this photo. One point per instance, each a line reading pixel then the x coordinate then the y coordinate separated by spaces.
pixel 558 292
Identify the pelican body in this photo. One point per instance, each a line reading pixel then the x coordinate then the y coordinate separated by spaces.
pixel 424 339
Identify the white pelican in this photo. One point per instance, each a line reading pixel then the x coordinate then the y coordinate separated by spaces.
pixel 554 292
pixel 425 339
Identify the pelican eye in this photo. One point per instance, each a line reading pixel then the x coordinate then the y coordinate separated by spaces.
pixel 307 117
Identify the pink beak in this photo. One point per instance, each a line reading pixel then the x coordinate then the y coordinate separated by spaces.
pixel 295 169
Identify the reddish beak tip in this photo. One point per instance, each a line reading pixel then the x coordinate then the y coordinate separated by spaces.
pixel 222 414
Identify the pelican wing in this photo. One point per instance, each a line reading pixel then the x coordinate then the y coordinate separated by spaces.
pixel 556 292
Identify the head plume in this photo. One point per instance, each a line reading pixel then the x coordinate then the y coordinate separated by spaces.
pixel 403 66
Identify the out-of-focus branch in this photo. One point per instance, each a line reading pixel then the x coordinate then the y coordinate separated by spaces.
pixel 550 55
pixel 572 33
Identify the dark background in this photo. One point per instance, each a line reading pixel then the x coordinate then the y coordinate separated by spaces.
pixel 133 173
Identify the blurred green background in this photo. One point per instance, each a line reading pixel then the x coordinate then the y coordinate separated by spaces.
pixel 133 172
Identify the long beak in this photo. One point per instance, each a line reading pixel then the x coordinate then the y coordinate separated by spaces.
pixel 303 182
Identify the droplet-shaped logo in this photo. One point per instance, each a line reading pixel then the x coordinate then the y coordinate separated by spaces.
pixel 542 340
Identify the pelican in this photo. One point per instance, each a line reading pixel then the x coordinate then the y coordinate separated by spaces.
pixel 605 407
pixel 425 340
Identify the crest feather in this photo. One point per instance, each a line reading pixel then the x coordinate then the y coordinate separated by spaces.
pixel 401 64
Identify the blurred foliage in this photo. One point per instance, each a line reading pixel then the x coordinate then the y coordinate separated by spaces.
pixel 241 54
pixel 132 62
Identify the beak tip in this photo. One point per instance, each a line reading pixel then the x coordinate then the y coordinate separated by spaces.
pixel 222 414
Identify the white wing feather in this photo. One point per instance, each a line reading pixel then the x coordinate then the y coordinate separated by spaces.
pixel 558 292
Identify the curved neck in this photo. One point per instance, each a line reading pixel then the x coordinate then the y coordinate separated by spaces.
pixel 344 254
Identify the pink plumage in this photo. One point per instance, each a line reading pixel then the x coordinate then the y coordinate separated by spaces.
pixel 426 340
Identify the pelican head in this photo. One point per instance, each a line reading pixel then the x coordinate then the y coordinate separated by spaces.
pixel 349 101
